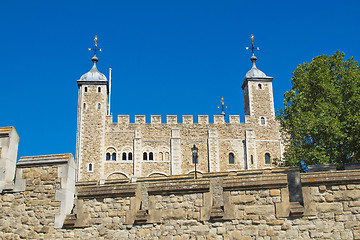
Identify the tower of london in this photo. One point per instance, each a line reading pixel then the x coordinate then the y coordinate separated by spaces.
pixel 111 147
pixel 197 177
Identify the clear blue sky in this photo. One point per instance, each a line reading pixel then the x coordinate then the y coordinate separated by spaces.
pixel 168 57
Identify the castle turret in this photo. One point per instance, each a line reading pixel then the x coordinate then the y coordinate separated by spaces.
pixel 92 107
pixel 262 129
pixel 258 94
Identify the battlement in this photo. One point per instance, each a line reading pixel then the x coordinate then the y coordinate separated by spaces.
pixel 173 119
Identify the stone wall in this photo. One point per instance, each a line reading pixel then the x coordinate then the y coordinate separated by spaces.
pixel 41 197
pixel 255 204
pixel 215 142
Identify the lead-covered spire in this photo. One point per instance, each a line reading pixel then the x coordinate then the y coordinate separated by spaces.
pixel 254 71
pixel 94 74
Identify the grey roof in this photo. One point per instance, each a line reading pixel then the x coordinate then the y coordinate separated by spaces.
pixel 93 74
pixel 254 71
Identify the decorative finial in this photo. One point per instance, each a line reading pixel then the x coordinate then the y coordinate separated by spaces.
pixel 253 48
pixel 222 106
pixel 96 48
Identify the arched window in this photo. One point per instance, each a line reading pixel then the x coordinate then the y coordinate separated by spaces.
pixel 107 156
pixel 259 86
pixel 161 155
pixel 99 106
pixel 85 89
pixel 151 156
pixel 167 156
pixel 231 158
pixel 144 156
pixel 267 158
pixel 99 89
pixel 113 157
pixel 252 159
pixel 90 167
pixel 84 106
pixel 130 156
pixel 262 121
pixel 124 156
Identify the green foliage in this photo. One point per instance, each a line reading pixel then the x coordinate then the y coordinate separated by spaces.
pixel 321 116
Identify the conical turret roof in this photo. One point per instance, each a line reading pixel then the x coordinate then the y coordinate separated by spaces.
pixel 93 74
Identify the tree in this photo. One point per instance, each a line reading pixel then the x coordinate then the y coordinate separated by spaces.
pixel 320 121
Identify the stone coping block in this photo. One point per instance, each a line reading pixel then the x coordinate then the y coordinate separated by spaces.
pixel 340 177
pixel 321 168
pixel 44 160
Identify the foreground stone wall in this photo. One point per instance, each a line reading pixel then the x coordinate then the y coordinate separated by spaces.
pixel 41 197
pixel 243 205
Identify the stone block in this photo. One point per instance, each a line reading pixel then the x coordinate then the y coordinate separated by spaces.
pixel 264 210
pixel 356 234
pixel 274 192
pixel 352 224
pixel 174 214
pixel 203 119
pixel 234 119
pixel 243 199
pixel 155 119
pixel 171 119
pixel 123 119
pixel 250 231
pixel 330 207
pixel 140 119
pixel 349 195
pixel 219 119
pixel 187 119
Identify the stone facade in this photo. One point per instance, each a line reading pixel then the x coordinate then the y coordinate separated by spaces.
pixel 111 150
pixel 251 204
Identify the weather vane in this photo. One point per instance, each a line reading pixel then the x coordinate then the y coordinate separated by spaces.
pixel 222 106
pixel 253 48
pixel 96 46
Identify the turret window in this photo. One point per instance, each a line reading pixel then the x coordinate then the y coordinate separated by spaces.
pixel 262 121
pixel 252 159
pixel 84 106
pixel 85 89
pixel 99 106
pixel 267 158
pixel 99 89
pixel 90 167
pixel 259 86
pixel 231 158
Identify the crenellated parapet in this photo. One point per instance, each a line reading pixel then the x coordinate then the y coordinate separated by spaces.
pixel 173 119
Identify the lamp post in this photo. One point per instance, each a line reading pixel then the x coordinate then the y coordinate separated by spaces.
pixel 194 150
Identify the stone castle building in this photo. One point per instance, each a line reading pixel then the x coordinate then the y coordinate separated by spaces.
pixel 237 197
pixel 111 150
